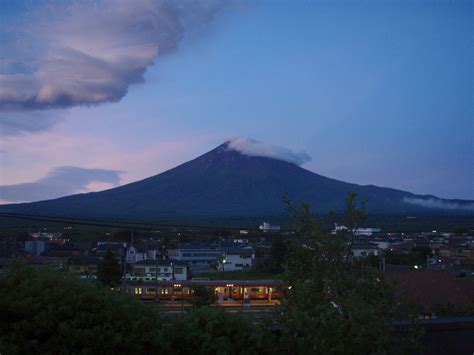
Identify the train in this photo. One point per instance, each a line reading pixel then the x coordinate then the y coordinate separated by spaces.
pixel 241 290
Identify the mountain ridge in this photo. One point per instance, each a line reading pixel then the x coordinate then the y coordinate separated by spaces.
pixel 225 182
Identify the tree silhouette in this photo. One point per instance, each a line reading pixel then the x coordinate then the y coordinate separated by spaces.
pixel 109 271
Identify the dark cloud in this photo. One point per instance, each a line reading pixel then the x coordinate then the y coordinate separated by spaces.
pixel 16 123
pixel 89 52
pixel 61 181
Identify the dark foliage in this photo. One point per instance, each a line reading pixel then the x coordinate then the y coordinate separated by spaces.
pixel 45 311
pixel 336 304
pixel 203 296
pixel 109 271
pixel 212 331
pixel 50 312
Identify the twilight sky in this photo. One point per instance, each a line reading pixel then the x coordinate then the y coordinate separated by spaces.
pixel 96 93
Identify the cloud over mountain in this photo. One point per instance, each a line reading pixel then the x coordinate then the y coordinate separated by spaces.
pixel 438 203
pixel 61 181
pixel 65 54
pixel 252 147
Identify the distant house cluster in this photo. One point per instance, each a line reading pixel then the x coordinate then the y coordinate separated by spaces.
pixel 235 255
pixel 144 260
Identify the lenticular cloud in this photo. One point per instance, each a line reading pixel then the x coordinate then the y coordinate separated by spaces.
pixel 252 147
pixel 89 52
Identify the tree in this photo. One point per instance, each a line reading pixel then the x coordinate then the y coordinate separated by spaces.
pixel 44 311
pixel 335 304
pixel 203 296
pixel 278 254
pixel 48 311
pixel 109 271
pixel 208 330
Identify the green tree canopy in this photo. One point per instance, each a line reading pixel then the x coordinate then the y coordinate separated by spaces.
pixel 50 312
pixel 46 311
pixel 335 304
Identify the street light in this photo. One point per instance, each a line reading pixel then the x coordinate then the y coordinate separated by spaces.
pixel 223 264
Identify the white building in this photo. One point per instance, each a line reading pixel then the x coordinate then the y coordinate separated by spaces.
pixel 360 232
pixel 158 270
pixel 136 254
pixel 198 259
pixel 237 259
pixel 267 227
pixel 362 249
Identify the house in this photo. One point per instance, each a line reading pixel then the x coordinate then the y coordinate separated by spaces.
pixel 198 256
pixel 46 235
pixel 140 252
pixel 158 270
pixel 83 265
pixel 236 259
pixel 65 250
pixel 136 254
pixel 36 247
pixel 363 248
pixel 56 263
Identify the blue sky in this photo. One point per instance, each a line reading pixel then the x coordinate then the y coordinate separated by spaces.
pixel 376 92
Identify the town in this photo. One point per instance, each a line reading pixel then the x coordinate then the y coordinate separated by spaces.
pixel 243 269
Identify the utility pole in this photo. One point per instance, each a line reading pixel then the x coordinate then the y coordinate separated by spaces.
pixel 156 279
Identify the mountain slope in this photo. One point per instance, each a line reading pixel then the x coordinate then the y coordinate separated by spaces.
pixel 225 182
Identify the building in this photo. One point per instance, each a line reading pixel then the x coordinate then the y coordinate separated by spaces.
pixel 84 267
pixel 65 250
pixel 158 270
pixel 56 263
pixel 199 257
pixel 367 232
pixel 362 248
pixel 359 232
pixel 267 227
pixel 237 259
pixel 36 247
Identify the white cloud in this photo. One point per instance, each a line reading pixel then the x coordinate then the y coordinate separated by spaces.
pixel 439 203
pixel 89 52
pixel 252 147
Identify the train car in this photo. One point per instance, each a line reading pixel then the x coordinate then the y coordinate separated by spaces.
pixel 234 290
